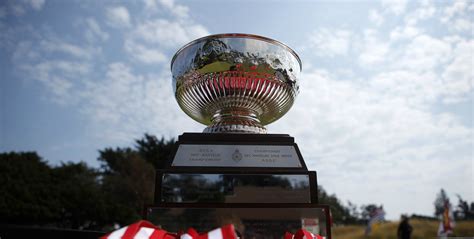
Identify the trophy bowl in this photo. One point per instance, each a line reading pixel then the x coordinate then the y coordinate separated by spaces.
pixel 235 83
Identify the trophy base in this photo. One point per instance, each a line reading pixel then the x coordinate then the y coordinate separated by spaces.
pixel 258 182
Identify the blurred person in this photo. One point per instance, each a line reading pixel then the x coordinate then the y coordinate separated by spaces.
pixel 404 229
pixel 446 224
pixel 377 216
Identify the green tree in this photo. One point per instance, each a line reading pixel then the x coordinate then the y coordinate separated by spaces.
pixel 463 211
pixel 340 213
pixel 127 182
pixel 353 210
pixel 32 192
pixel 73 195
pixel 157 152
pixel 27 195
pixel 80 199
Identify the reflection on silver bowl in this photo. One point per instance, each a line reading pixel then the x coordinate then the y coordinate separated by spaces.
pixel 235 83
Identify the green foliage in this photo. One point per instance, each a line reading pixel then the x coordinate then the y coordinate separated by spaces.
pixel 157 152
pixel 34 193
pixel 127 183
pixel 340 213
pixel 463 211
pixel 26 189
pixel 73 195
pixel 128 176
pixel 80 199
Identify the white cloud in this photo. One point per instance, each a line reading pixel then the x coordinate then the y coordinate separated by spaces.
pixel 118 16
pixel 396 7
pixel 37 4
pixel 424 12
pixel 411 88
pixel 18 10
pixel 151 38
pixel 352 118
pixel 457 17
pixel 461 25
pixel 424 53
pixel 330 42
pixel 67 48
pixel 135 104
pixel 150 4
pixel 383 120
pixel 58 77
pixel 69 68
pixel 177 10
pixel 147 55
pixel 416 61
pixel 58 65
pixel 376 17
pixel 347 127
pixel 168 33
pixel 458 7
pixel 94 32
pixel 459 74
pixel 404 33
pixel 116 97
pixel 24 52
pixel 373 50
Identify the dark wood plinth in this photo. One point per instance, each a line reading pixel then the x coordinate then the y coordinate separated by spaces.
pixel 233 172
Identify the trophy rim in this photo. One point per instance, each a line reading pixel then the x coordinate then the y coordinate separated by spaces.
pixel 237 35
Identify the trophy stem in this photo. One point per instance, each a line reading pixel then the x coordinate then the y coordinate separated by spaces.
pixel 235 120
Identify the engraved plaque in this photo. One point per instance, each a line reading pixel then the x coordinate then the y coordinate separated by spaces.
pixel 235 188
pixel 267 156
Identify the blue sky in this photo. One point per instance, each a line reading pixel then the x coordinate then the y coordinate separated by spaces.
pixel 385 109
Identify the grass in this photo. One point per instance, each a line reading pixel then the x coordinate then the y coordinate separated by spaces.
pixel 421 229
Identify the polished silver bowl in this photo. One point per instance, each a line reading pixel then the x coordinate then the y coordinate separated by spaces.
pixel 235 83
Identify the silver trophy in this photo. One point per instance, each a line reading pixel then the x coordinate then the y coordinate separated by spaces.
pixel 235 83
